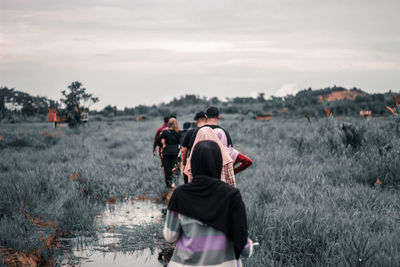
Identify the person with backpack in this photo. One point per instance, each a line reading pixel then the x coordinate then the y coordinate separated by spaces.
pixel 240 161
pixel 227 173
pixel 170 149
pixel 213 116
pixel 207 217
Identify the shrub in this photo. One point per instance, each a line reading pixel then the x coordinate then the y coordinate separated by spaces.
pixel 351 135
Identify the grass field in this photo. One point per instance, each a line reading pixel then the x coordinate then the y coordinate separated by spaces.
pixel 323 193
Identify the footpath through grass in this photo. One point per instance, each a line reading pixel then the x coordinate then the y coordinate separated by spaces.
pixel 319 194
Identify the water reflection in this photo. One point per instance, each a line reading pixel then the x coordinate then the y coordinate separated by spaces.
pixel 115 244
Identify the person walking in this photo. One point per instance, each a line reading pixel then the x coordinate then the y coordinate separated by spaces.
pixel 207 217
pixel 227 174
pixel 170 149
pixel 201 120
pixel 240 161
pixel 158 132
pixel 213 116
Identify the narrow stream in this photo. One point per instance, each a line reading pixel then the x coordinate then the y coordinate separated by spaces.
pixel 117 242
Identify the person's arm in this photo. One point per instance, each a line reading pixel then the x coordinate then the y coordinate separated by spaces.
pixel 172 227
pixel 163 146
pixel 184 152
pixel 155 142
pixel 163 142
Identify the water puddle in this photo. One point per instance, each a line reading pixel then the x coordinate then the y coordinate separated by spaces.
pixel 126 237
pixel 145 258
pixel 131 213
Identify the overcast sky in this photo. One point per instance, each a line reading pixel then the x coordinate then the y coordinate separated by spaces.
pixel 130 52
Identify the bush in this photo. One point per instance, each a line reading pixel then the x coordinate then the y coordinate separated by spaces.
pixel 351 135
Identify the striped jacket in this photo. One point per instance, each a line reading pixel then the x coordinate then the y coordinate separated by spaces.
pixel 199 244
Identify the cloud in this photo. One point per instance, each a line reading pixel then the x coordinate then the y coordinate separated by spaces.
pixel 254 94
pixel 155 48
pixel 167 99
pixel 287 89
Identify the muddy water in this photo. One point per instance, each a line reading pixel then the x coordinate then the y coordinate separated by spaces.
pixel 116 244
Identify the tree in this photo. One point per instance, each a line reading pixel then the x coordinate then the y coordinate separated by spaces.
pixel 214 101
pixel 76 101
pixel 261 98
pixel 110 111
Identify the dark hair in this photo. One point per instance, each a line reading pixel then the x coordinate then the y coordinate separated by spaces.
pixel 186 125
pixel 212 112
pixel 166 118
pixel 200 115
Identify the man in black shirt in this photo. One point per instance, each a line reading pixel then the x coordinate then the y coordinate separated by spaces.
pixel 213 116
pixel 201 120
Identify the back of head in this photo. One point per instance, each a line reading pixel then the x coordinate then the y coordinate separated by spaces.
pixel 166 118
pixel 212 112
pixel 206 159
pixel 200 115
pixel 173 124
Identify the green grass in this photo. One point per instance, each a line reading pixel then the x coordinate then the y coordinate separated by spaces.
pixel 310 195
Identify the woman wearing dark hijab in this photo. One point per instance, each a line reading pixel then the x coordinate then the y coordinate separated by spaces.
pixel 207 216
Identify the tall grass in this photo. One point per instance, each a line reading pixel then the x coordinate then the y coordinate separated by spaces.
pixel 311 197
pixel 311 194
pixel 37 164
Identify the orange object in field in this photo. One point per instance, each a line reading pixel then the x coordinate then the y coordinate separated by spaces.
pixel 264 117
pixel 391 110
pixel 366 113
pixel 52 115
pixel 328 112
pixel 396 101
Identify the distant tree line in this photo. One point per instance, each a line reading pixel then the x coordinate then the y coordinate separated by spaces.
pixel 17 105
pixel 13 102
pixel 306 102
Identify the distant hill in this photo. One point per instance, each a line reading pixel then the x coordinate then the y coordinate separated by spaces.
pixel 341 95
pixel 339 100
